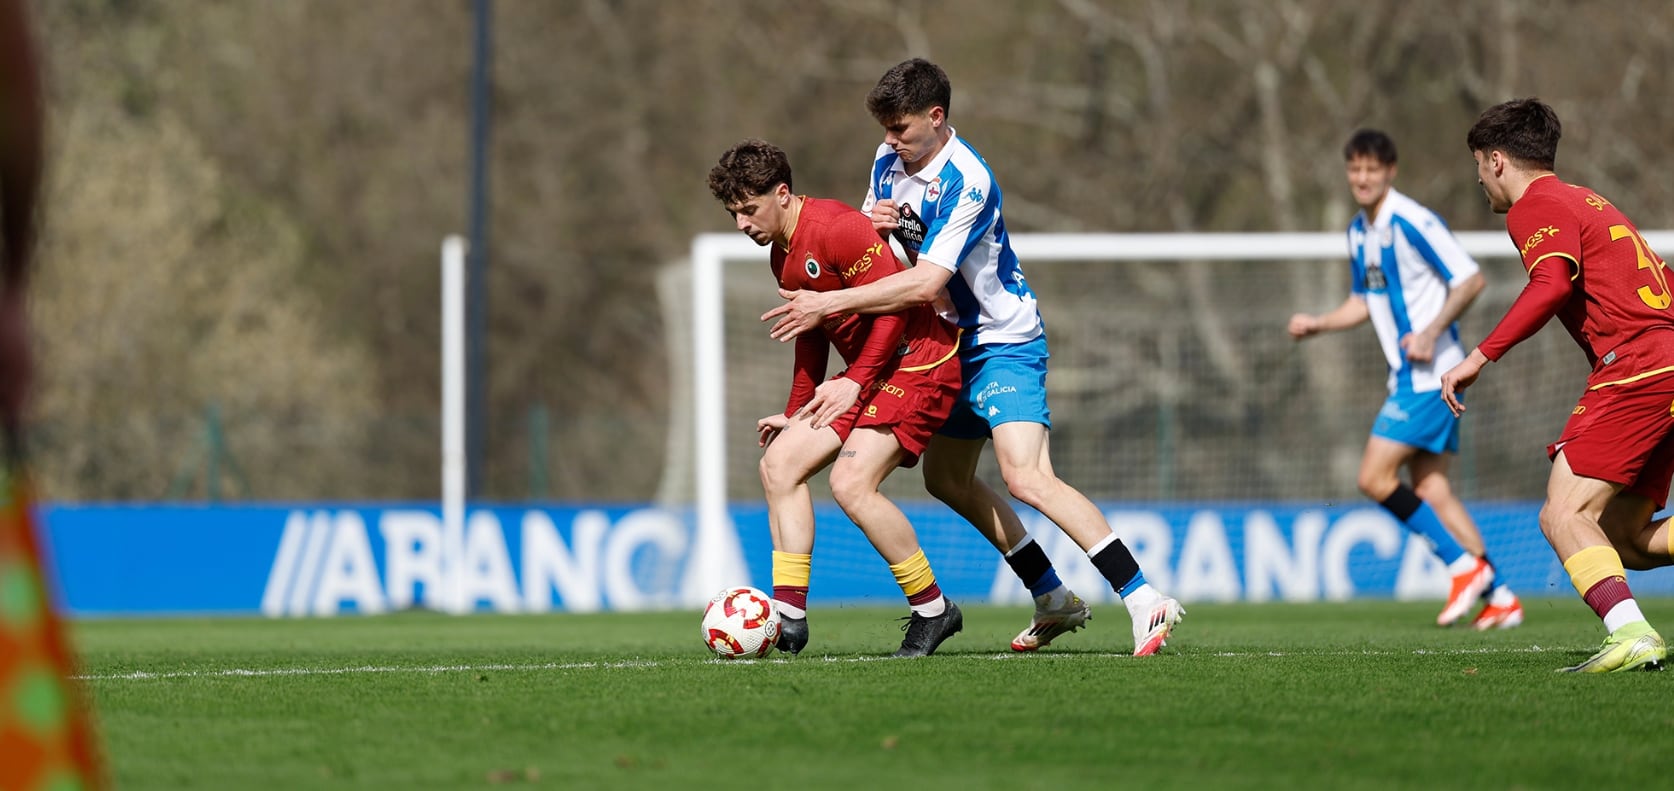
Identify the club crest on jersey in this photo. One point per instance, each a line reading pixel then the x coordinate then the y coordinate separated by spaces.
pixel 812 266
pixel 1375 281
pixel 933 192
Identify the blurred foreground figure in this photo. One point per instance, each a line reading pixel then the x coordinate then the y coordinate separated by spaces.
pixel 45 738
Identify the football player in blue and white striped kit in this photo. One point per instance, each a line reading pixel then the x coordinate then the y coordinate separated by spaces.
pixel 934 193
pixel 1413 280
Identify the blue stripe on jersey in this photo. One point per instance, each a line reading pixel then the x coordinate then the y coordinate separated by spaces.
pixel 989 221
pixel 1357 256
pixel 1398 304
pixel 953 189
pixel 965 303
pixel 882 185
pixel 1422 245
pixel 964 300
pixel 1011 272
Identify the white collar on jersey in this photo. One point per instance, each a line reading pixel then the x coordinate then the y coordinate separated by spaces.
pixel 1386 211
pixel 932 171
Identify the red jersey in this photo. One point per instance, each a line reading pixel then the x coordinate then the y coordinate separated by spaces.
pixel 1618 303
pixel 834 246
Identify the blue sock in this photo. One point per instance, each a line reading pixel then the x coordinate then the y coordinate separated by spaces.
pixel 1029 562
pixel 1133 585
pixel 1420 518
pixel 1048 583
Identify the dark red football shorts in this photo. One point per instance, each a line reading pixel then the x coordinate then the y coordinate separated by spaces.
pixel 1624 434
pixel 911 404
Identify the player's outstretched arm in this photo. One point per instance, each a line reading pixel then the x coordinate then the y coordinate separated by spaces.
pixel 804 310
pixel 1351 313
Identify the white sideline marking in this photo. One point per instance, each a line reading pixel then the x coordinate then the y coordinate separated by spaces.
pixel 142 675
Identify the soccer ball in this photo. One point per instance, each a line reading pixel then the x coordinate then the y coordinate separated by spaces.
pixel 740 623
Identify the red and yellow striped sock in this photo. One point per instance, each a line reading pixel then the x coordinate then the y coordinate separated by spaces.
pixel 790 582
pixel 1597 574
pixel 919 583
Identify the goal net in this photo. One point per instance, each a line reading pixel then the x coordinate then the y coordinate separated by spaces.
pixel 1172 378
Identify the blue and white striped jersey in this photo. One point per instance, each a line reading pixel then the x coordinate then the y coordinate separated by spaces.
pixel 1405 264
pixel 950 217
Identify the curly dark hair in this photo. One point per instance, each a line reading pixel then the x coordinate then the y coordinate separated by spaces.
pixel 1525 129
pixel 753 167
pixel 909 88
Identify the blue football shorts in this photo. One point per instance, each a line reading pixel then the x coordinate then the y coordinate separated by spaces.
pixel 1419 420
pixel 1004 383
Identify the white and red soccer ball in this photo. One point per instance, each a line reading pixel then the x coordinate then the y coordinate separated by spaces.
pixel 740 623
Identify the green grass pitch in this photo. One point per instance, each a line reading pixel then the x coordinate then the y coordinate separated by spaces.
pixel 1355 695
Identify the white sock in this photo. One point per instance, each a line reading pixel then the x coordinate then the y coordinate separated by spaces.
pixel 1142 600
pixel 931 609
pixel 1502 596
pixel 1624 613
pixel 1055 598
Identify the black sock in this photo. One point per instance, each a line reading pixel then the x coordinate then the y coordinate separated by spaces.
pixel 1029 563
pixel 1402 503
pixel 1117 565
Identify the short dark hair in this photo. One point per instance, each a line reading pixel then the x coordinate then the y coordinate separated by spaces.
pixel 753 167
pixel 909 88
pixel 1525 129
pixel 1370 143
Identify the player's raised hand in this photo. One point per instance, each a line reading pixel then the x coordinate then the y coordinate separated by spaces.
pixel 1460 377
pixel 831 399
pixel 802 311
pixel 885 217
pixel 1302 325
pixel 768 428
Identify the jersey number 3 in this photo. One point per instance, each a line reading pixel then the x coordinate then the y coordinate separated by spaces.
pixel 1647 260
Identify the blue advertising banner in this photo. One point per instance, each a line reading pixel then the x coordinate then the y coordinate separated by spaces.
pixel 330 559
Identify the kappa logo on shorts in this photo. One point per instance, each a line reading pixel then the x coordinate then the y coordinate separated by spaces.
pixel 1579 408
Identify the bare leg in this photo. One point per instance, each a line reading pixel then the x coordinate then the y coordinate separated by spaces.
pixel 1380 467
pixel 1642 543
pixel 950 476
pixel 1429 479
pixel 1574 504
pixel 787 464
pixel 1023 452
pixel 864 462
